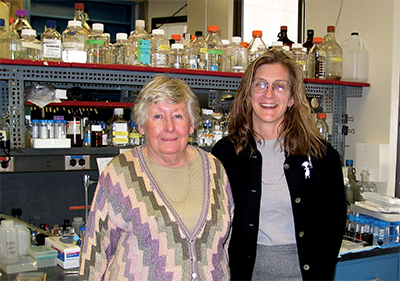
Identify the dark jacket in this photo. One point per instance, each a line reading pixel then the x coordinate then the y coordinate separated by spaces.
pixel 318 203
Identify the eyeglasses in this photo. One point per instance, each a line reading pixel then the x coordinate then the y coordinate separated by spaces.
pixel 281 88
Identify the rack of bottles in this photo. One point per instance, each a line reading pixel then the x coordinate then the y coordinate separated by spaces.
pixel 15 75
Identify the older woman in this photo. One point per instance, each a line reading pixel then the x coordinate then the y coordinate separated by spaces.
pixel 287 183
pixel 161 211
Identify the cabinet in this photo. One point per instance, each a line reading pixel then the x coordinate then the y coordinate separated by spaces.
pixel 211 86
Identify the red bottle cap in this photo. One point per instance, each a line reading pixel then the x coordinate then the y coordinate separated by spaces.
pixel 176 37
pixel 283 28
pixel 213 28
pixel 79 6
pixel 257 33
pixel 331 28
pixel 321 115
pixel 317 40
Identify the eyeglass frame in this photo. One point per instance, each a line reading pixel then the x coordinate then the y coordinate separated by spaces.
pixel 273 86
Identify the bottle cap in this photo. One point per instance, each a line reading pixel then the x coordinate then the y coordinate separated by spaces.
pixel 2 22
pixel 213 28
pixel 121 36
pixel 98 26
pixel 17 212
pixel 310 31
pixel 225 42
pixel 78 219
pixel 176 37
pixel 321 115
pixel 21 13
pixel 297 46
pixel 139 23
pixel 317 40
pixel 51 23
pixel 277 44
pixel 331 28
pixel 244 44
pixel 79 6
pixel 257 33
pixel 283 28
pixel 28 32
pixel 198 33
pixel 236 39
pixel 118 111
pixel 11 20
pixel 96 128
pixel 158 31
pixel 354 33
pixel 177 46
pixel 75 23
pixel 7 223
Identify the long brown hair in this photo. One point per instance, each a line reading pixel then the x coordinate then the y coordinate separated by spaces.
pixel 298 134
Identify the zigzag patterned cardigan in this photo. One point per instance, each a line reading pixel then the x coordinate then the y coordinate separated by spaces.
pixel 134 234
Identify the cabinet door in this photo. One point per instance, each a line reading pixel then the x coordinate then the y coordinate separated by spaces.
pixel 380 268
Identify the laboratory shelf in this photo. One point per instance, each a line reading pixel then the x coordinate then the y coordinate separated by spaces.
pixel 329 96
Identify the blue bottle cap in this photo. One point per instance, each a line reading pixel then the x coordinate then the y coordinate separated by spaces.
pixel 2 22
pixel 349 162
pixel 51 23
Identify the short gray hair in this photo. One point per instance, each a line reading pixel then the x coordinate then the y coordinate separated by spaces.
pixel 166 89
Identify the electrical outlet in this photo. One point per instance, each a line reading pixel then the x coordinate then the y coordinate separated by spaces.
pixel 77 162
pixel 10 164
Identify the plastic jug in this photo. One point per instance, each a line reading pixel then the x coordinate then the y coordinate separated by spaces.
pixel 355 59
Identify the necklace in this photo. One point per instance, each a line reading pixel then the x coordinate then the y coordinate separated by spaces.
pixel 186 194
pixel 275 182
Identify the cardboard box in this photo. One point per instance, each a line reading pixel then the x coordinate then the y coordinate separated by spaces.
pixel 67 253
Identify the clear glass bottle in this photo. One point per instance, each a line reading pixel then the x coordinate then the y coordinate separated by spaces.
pixel 83 17
pixel 349 190
pixel 190 52
pixel 120 136
pixel 119 50
pixel 139 42
pixel 208 133
pixel 96 44
pixel 21 21
pixel 237 56
pixel 29 47
pixel 282 36
pixel 333 55
pixel 322 126
pixel 51 42
pixel 300 57
pixel 256 46
pixel 316 60
pixel 14 39
pixel 365 185
pixel 215 58
pixel 87 133
pixel 201 50
pixel 309 41
pixel 4 41
pixel 73 43
pixel 177 56
pixel 159 49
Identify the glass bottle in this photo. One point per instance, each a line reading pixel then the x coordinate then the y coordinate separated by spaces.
pixel 256 46
pixel 333 55
pixel 190 52
pixel 29 47
pixel 300 57
pixel 73 43
pixel 201 50
pixel 282 36
pixel 4 41
pixel 74 128
pixel 316 60
pixel 215 58
pixel 349 190
pixel 208 133
pixel 21 21
pixel 351 172
pixel 159 49
pixel 83 17
pixel 96 44
pixel 119 50
pixel 365 185
pixel 177 56
pixel 51 42
pixel 134 135
pixel 309 41
pixel 237 56
pixel 87 133
pixel 139 45
pixel 97 135
pixel 120 135
pixel 14 39
pixel 322 126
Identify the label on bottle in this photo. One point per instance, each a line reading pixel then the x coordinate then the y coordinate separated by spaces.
pixel 337 59
pixel 74 128
pixel 144 51
pixel 95 42
pixel 31 45
pixel 74 56
pixel 163 48
pixel 203 50
pixel 51 48
pixel 215 52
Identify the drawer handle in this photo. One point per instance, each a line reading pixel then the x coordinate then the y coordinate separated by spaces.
pixel 376 279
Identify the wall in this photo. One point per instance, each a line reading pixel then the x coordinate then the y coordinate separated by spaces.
pixel 376 113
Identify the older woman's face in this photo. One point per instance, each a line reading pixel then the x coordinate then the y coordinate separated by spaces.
pixel 167 128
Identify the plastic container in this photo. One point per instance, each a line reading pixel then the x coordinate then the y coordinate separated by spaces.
pixel 159 49
pixel 322 126
pixel 201 50
pixel 237 56
pixel 29 47
pixel 4 41
pixel 215 59
pixel 21 21
pixel 139 40
pixel 300 57
pixel 4 13
pixel 44 256
pixel 76 224
pixel 73 43
pixel 51 42
pixel 24 239
pixel 177 56
pixel 256 46
pixel 96 44
pixel 119 50
pixel 120 135
pixel 8 242
pixel 355 59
